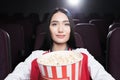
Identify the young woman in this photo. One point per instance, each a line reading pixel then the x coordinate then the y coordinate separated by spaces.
pixel 59 37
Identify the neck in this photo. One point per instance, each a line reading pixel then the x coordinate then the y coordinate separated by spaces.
pixel 58 47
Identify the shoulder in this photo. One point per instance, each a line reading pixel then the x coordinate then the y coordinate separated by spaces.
pixel 38 52
pixel 82 50
pixel 85 52
pixel 35 54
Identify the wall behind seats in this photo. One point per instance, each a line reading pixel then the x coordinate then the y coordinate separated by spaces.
pixel 43 6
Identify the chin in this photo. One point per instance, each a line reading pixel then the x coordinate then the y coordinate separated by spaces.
pixel 61 42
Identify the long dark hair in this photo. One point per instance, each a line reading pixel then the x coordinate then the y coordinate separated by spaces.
pixel 48 42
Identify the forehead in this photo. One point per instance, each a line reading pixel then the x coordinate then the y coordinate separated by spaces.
pixel 59 16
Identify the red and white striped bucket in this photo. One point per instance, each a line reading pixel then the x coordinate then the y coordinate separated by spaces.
pixel 63 72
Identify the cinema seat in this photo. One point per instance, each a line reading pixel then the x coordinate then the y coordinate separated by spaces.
pixel 5 54
pixel 91 39
pixel 113 53
pixel 113 26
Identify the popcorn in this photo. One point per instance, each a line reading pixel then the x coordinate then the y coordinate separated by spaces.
pixel 58 58
pixel 61 65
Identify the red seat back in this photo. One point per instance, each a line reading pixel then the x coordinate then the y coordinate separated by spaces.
pixel 5 56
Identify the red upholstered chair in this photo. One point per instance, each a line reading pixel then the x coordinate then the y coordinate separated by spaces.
pixel 28 29
pixel 5 56
pixel 41 28
pixel 113 26
pixel 39 40
pixel 113 53
pixel 102 26
pixel 91 39
pixel 17 42
pixel 78 40
pixel 76 21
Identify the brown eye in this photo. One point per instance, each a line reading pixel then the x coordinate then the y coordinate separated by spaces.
pixel 67 24
pixel 53 24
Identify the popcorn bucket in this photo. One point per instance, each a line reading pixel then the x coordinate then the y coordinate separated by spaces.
pixel 61 72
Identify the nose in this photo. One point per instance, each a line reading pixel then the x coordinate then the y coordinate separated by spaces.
pixel 60 29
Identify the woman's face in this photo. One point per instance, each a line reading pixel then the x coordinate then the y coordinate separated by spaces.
pixel 60 28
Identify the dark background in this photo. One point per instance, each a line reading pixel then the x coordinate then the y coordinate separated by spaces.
pixel 100 7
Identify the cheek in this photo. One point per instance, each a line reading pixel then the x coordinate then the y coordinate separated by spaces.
pixel 68 31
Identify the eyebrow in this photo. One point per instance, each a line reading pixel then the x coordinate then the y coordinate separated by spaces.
pixel 58 21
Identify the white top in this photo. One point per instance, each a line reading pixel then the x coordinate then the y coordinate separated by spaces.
pixel 23 69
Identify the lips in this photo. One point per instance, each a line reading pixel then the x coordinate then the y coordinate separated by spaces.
pixel 60 36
